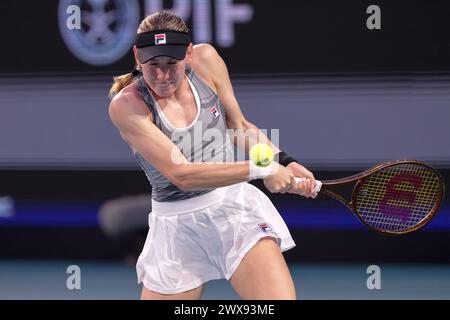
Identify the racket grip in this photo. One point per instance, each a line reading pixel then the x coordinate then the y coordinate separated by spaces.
pixel 318 183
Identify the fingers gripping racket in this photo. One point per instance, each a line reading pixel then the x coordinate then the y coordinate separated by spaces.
pixel 394 197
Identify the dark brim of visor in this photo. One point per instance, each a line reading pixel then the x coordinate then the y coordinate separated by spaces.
pixel 175 51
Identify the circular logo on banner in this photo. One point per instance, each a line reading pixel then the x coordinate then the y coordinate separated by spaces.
pixel 98 32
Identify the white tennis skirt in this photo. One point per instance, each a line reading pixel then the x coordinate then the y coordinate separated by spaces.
pixel 199 239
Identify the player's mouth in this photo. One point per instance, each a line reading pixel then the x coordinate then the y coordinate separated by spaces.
pixel 164 85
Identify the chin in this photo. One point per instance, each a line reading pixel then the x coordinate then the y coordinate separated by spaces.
pixel 164 93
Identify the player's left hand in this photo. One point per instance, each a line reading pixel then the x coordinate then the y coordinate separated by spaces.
pixel 306 187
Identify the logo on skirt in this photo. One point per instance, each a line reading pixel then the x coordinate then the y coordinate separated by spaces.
pixel 264 227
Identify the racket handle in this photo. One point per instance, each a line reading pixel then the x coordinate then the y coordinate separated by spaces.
pixel 318 183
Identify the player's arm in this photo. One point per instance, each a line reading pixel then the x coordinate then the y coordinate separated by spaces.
pixel 209 63
pixel 133 120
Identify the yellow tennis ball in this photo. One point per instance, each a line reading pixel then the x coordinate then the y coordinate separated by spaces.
pixel 261 154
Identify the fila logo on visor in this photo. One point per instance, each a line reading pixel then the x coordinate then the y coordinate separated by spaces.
pixel 160 38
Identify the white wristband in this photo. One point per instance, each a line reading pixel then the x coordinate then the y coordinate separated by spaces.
pixel 257 172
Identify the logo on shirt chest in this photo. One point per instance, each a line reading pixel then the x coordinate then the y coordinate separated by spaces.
pixel 214 111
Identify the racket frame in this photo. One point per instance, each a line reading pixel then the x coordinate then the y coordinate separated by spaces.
pixel 358 179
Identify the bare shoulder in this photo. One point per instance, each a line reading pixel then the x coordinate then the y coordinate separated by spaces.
pixel 207 63
pixel 205 57
pixel 205 52
pixel 127 104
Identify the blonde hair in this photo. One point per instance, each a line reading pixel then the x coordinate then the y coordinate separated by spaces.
pixel 162 20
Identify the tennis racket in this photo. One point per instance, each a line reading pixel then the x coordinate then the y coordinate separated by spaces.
pixel 393 197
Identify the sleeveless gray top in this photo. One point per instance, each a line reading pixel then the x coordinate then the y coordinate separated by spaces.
pixel 204 140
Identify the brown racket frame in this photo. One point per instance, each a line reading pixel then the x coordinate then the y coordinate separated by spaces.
pixel 359 178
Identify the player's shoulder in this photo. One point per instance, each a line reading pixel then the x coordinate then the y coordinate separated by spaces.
pixel 126 103
pixel 208 64
pixel 205 51
pixel 205 57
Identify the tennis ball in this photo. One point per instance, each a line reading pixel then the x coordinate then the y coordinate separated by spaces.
pixel 261 154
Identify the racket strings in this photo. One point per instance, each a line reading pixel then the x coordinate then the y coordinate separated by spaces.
pixel 396 221
pixel 379 188
pixel 413 216
pixel 399 197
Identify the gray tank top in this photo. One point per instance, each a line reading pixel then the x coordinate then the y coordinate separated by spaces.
pixel 204 140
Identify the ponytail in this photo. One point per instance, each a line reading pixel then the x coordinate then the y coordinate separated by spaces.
pixel 122 81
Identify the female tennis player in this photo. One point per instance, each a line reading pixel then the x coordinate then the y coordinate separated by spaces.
pixel 207 222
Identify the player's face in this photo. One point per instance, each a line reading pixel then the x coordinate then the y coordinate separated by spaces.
pixel 164 75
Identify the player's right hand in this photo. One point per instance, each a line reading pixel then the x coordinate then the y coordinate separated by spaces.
pixel 282 181
pixel 306 186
